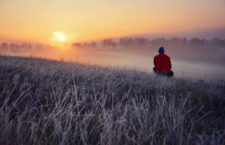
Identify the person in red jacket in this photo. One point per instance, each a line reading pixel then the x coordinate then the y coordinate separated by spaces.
pixel 162 64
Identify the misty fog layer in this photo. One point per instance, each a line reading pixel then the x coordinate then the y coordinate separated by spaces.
pixel 196 59
pixel 182 68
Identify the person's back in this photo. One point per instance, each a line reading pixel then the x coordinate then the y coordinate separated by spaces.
pixel 162 63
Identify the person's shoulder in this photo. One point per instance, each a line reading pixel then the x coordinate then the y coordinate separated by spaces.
pixel 156 56
pixel 166 55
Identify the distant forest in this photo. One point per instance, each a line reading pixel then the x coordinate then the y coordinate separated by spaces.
pixel 128 42
pixel 145 42
pixel 195 49
pixel 10 46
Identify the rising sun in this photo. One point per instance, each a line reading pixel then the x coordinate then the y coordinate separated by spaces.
pixel 62 38
pixel 59 36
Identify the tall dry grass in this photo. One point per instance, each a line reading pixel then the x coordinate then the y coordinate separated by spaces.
pixel 52 102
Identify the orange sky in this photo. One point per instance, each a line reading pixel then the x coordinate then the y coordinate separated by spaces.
pixel 83 20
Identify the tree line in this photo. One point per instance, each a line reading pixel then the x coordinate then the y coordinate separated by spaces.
pixel 145 42
pixel 22 46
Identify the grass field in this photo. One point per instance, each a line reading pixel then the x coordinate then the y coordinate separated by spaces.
pixel 51 102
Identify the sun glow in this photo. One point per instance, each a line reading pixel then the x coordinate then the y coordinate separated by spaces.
pixel 59 36
pixel 62 38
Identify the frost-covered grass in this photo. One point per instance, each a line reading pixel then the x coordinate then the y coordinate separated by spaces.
pixel 51 102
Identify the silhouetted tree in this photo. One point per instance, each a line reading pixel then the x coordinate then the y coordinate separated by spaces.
pixel 126 41
pixel 77 45
pixel 4 46
pixel 218 42
pixel 93 44
pixel 178 41
pixel 159 41
pixel 109 43
pixel 140 41
pixel 198 42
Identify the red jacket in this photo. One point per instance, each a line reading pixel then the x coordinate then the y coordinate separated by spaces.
pixel 162 63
